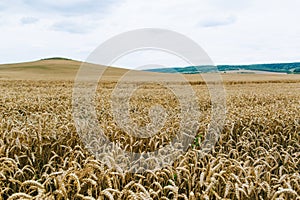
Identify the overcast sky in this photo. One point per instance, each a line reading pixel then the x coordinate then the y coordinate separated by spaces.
pixel 230 31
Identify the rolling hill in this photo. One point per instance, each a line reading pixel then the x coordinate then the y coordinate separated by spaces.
pixel 66 69
pixel 49 69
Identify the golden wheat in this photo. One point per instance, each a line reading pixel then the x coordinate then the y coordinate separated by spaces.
pixel 256 157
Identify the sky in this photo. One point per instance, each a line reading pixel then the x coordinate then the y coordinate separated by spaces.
pixel 230 31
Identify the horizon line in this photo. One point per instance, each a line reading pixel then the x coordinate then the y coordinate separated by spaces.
pixel 215 64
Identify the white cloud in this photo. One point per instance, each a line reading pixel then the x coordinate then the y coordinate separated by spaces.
pixel 69 7
pixel 230 31
pixel 79 26
pixel 62 2
pixel 222 21
pixel 29 20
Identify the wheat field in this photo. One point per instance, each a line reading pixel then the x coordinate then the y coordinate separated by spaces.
pixel 256 157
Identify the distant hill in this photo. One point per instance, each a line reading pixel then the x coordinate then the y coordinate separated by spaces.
pixel 287 68
pixel 56 68
pixel 66 69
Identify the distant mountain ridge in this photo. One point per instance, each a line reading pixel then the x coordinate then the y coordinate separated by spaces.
pixel 288 68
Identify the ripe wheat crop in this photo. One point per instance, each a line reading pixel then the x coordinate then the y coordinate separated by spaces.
pixel 256 157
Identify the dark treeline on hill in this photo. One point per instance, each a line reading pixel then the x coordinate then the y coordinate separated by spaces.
pixel 56 58
pixel 289 68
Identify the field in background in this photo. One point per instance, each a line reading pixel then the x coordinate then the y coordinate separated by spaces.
pixel 60 69
pixel 42 157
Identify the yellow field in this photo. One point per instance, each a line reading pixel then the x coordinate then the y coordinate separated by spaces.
pixel 41 155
